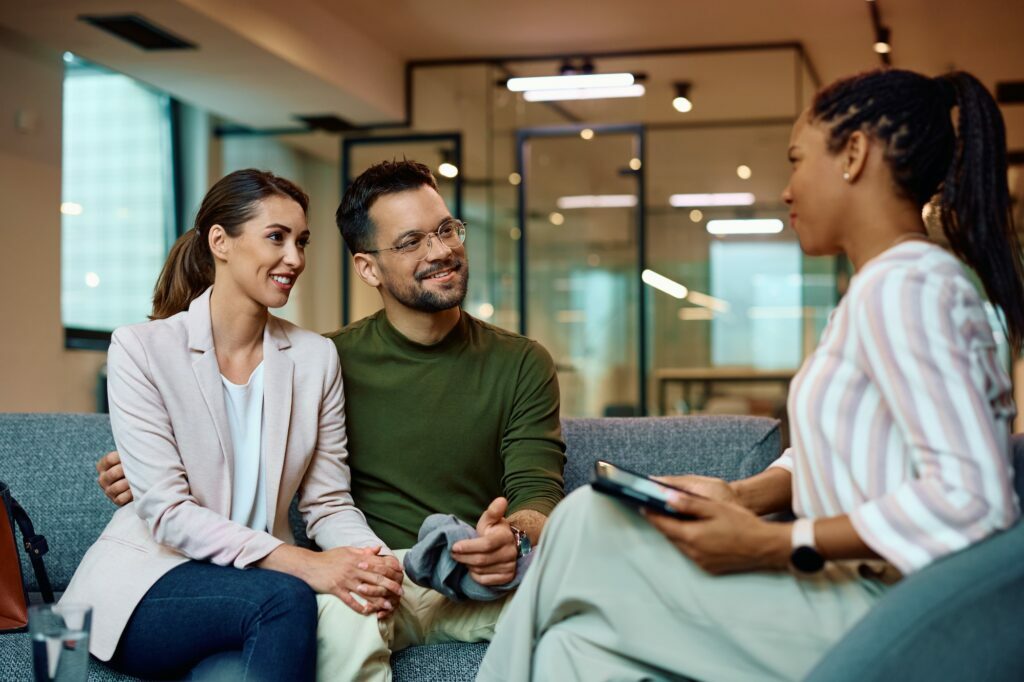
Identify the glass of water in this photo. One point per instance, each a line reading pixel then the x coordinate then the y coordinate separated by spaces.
pixel 60 641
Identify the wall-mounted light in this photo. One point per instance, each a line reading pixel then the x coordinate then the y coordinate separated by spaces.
pixel 715 199
pixel 682 102
pixel 748 226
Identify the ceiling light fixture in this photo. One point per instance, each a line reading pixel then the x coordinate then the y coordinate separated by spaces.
pixel 743 172
pixel 748 226
pixel 635 90
pixel 448 168
pixel 664 284
pixel 596 201
pixel 715 199
pixel 682 102
pixel 882 38
pixel 571 81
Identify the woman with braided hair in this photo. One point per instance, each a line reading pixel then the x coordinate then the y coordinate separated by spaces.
pixel 899 423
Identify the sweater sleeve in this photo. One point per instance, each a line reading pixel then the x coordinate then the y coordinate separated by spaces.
pixel 532 449
pixel 325 497
pixel 928 348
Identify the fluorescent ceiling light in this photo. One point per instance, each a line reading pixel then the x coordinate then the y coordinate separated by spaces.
pixel 690 314
pixel 568 81
pixel 636 90
pixel 719 199
pixel 597 201
pixel 663 283
pixel 706 301
pixel 755 226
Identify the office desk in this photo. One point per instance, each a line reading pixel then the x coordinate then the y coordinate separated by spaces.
pixel 706 376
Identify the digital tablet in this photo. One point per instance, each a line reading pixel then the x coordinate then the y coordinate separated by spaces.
pixel 636 489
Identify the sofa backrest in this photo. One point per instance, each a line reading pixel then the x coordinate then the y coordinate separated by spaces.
pixel 724 446
pixel 49 462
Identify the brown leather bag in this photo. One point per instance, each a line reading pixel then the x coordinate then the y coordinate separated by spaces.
pixel 13 595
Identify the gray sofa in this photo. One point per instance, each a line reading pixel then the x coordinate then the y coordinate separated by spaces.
pixel 48 461
pixel 958 619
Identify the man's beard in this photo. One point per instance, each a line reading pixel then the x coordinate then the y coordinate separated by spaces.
pixel 427 301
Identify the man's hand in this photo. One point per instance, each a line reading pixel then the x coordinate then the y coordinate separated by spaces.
pixel 491 557
pixel 112 480
pixel 725 538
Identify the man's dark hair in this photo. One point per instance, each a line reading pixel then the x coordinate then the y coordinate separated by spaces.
pixel 386 177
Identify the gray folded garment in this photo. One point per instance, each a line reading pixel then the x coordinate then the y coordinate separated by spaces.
pixel 430 564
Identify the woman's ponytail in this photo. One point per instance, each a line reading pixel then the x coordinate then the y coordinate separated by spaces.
pixel 976 211
pixel 185 276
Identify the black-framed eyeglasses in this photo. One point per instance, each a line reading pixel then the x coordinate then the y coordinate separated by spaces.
pixel 451 233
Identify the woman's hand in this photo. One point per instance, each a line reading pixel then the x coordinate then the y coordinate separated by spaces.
pixel 343 572
pixel 705 486
pixel 724 537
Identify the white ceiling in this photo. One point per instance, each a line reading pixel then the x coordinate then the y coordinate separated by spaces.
pixel 261 62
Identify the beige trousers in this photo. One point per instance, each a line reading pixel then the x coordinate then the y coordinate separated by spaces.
pixel 351 646
pixel 609 598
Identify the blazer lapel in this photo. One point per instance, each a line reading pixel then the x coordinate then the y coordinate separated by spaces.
pixel 207 373
pixel 278 370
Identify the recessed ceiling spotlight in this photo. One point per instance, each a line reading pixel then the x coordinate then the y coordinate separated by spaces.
pixel 743 172
pixel 587 134
pixel 883 44
pixel 682 102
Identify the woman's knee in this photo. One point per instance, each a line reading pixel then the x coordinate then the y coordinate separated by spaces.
pixel 285 596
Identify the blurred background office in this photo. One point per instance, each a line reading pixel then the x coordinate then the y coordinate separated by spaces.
pixel 630 220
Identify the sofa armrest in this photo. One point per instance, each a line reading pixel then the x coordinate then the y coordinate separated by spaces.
pixel 958 619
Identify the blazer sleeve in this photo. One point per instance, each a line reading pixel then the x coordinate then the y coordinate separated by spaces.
pixel 325 497
pixel 156 474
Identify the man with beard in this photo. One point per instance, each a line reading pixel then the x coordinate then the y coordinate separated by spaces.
pixel 444 413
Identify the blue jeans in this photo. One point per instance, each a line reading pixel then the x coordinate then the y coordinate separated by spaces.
pixel 207 621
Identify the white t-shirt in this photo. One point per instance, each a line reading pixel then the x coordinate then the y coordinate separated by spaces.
pixel 245 419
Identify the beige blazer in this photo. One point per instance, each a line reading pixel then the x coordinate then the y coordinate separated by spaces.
pixel 171 428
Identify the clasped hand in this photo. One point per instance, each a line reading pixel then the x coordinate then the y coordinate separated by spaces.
pixel 345 571
pixel 724 537
pixel 490 557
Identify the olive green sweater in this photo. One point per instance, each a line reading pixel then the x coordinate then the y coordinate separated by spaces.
pixel 447 428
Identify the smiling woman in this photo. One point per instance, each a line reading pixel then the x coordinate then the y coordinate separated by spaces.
pixel 220 411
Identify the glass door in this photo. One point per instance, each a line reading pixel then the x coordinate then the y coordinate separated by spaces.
pixel 581 247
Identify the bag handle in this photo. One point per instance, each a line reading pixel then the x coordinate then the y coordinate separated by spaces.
pixel 35 545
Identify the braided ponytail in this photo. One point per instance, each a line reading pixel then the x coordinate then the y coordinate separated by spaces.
pixel 910 115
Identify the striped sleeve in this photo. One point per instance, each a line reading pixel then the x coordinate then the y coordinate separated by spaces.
pixel 925 345
pixel 785 461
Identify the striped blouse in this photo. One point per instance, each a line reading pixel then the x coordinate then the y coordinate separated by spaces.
pixel 901 416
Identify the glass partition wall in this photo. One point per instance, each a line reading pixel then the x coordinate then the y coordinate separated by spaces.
pixel 596 226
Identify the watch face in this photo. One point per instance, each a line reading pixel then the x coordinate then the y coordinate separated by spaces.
pixel 807 560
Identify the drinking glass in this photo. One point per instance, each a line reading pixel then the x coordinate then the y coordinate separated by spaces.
pixel 60 642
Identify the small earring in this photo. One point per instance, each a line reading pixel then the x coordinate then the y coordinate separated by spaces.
pixel 846 176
